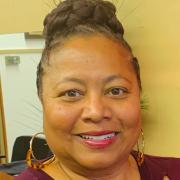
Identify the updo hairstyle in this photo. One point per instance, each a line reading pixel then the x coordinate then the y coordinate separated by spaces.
pixel 85 17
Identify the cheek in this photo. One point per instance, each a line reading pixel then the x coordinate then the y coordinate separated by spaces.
pixel 59 117
pixel 129 115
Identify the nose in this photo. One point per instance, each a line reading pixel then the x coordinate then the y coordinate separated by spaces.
pixel 95 109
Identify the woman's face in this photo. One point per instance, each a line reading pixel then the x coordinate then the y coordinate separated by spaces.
pixel 91 102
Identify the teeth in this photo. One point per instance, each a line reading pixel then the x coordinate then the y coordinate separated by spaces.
pixel 98 138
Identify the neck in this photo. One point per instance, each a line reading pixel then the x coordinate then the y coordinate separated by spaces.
pixel 127 170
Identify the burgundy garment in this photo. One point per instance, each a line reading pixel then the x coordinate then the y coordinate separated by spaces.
pixel 153 168
pixel 32 174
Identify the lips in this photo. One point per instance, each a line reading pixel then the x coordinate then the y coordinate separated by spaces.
pixel 99 139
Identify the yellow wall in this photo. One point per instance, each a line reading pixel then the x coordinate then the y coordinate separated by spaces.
pixel 23 15
pixel 153 30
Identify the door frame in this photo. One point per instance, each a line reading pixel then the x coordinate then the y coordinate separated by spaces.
pixel 3 149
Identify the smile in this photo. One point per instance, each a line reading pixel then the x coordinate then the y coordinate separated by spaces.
pixel 98 138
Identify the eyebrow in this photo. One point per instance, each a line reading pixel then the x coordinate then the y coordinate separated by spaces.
pixel 82 82
pixel 114 77
pixel 71 79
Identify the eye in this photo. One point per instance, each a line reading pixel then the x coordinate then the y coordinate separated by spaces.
pixel 116 91
pixel 71 95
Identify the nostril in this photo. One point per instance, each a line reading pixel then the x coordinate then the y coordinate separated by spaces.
pixel 96 117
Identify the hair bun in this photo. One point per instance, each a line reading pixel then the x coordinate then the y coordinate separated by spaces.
pixel 71 13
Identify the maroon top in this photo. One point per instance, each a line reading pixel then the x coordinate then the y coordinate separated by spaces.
pixel 153 168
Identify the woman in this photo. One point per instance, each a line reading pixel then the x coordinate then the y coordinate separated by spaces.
pixel 89 85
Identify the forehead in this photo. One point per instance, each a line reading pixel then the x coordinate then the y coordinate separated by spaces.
pixel 90 48
pixel 89 57
pixel 100 41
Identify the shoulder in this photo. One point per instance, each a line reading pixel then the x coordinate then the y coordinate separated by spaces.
pixel 163 162
pixel 30 174
pixel 161 166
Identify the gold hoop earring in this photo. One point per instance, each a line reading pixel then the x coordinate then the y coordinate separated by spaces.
pixel 32 161
pixel 140 153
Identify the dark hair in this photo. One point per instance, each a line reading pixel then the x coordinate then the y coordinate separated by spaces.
pixel 86 17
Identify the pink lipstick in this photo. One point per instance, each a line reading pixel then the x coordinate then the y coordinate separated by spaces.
pixel 99 139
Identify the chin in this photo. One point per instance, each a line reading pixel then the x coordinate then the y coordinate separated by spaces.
pixel 96 161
